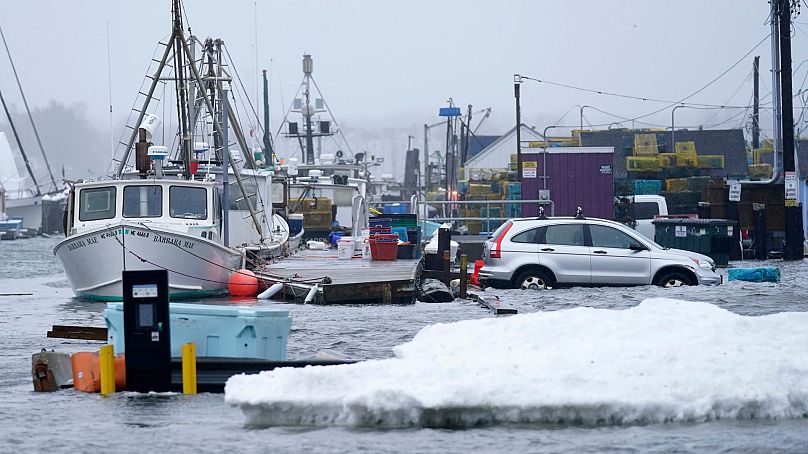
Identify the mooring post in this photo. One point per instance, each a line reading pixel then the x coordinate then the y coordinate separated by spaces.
pixel 107 359
pixel 444 248
pixel 761 235
pixel 464 275
pixel 189 368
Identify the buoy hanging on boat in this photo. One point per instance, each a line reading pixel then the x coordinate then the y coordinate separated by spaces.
pixel 242 283
pixel 271 291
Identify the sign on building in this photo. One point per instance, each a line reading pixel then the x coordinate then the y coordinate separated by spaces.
pixel 530 169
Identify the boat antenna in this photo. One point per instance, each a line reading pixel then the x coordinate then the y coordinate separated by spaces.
pixel 109 84
pixel 19 144
pixel 30 117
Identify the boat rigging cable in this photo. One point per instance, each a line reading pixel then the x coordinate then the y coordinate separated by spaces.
pixel 145 260
pixel 28 110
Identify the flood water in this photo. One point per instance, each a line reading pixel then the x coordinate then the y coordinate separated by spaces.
pixel 70 421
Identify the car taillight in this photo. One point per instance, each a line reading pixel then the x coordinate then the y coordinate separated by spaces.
pixel 496 248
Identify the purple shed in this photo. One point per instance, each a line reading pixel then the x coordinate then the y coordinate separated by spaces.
pixel 575 177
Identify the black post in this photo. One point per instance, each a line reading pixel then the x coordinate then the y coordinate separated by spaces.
pixel 761 235
pixel 793 212
pixel 444 253
pixel 736 252
pixel 516 84
pixel 756 104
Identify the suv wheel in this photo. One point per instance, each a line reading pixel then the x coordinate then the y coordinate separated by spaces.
pixel 533 280
pixel 674 279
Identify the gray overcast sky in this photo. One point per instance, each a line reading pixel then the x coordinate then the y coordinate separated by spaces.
pixel 393 64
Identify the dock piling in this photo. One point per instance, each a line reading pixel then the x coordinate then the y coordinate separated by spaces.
pixel 464 276
pixel 107 358
pixel 189 368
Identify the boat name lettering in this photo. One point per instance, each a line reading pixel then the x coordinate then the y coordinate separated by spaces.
pixel 174 241
pixel 75 245
pixel 92 240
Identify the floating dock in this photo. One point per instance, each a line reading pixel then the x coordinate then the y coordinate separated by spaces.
pixel 344 281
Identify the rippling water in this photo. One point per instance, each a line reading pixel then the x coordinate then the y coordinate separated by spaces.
pixel 69 421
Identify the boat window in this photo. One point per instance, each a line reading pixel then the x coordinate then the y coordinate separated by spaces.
pixel 237 201
pixel 97 203
pixel 142 201
pixel 188 203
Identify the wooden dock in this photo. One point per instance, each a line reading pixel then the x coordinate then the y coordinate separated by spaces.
pixel 354 281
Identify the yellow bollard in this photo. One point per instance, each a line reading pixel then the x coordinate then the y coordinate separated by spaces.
pixel 107 359
pixel 189 368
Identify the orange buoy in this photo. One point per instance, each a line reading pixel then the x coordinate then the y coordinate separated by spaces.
pixel 242 283
pixel 87 372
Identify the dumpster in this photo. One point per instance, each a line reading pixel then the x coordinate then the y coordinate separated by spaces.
pixel 711 237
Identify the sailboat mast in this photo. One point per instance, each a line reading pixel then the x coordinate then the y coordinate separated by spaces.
pixel 28 110
pixel 19 144
pixel 179 70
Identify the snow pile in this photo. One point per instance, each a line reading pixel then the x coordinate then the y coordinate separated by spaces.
pixel 664 360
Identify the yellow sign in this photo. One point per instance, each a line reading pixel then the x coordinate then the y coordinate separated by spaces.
pixel 530 169
pixel 791 203
pixel 535 144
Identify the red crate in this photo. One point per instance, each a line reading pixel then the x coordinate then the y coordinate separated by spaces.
pixel 383 250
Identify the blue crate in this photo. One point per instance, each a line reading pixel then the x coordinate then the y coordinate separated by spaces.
pixel 647 187
pixel 217 331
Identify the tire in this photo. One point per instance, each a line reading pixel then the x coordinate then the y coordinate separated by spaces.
pixel 533 280
pixel 674 279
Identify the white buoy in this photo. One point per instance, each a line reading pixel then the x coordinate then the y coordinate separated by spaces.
pixel 312 293
pixel 271 291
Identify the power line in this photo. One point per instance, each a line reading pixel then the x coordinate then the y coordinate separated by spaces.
pixel 652 99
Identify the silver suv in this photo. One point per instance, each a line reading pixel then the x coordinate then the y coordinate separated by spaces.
pixel 531 253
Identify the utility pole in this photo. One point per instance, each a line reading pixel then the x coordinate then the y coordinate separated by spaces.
pixel 756 104
pixel 517 81
pixel 793 210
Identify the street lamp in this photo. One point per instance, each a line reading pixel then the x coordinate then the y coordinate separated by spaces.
pixel 581 115
pixel 673 128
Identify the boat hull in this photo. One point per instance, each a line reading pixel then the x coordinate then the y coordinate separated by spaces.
pixel 93 261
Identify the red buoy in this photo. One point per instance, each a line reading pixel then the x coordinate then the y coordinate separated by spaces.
pixel 242 283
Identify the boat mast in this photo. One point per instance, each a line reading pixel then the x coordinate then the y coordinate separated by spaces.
pixel 182 94
pixel 308 67
pixel 19 144
pixel 30 117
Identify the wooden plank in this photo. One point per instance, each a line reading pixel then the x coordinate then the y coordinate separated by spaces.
pixel 78 332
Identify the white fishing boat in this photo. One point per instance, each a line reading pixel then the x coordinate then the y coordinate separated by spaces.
pixel 199 212
pixel 118 225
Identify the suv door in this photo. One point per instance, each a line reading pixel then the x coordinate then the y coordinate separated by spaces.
pixel 564 251
pixel 613 260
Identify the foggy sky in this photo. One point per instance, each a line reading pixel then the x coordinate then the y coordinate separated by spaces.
pixel 385 64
